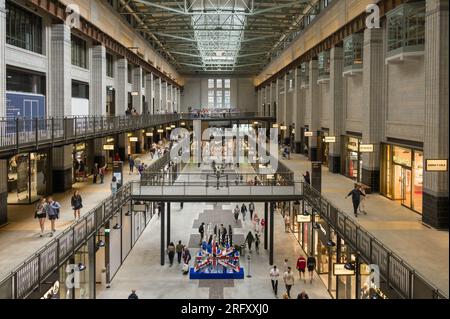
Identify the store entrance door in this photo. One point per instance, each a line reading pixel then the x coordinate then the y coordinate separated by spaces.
pixel 406 186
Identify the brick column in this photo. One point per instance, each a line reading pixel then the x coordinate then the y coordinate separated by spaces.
pixel 3 191
pixel 121 86
pixel 98 81
pixel 372 105
pixel 60 99
pixel 336 108
pixel 137 87
pixel 149 92
pixel 2 61
pixel 314 109
pixel 435 184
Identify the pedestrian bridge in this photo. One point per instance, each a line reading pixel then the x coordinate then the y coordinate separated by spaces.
pixel 223 191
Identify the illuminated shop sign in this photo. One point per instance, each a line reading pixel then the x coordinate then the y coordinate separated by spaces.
pixel 436 165
pixel 366 148
pixel 108 147
pixel 303 218
pixel 309 134
pixel 329 139
pixel 133 139
pixel 340 270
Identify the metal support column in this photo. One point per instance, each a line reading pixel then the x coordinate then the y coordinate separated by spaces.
pixel 168 223
pixel 266 219
pixel 163 246
pixel 272 222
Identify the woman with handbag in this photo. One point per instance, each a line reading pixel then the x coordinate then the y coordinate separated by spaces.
pixel 77 204
pixel 41 214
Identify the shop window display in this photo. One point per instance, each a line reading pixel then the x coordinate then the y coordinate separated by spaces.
pixel 353 52
pixel 402 175
pixel 27 178
pixel 353 159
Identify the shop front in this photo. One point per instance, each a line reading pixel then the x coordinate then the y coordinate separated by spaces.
pixel 27 177
pixel 110 150
pixel 352 159
pixel 402 175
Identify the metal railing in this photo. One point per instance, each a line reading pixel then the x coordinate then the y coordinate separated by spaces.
pixel 28 276
pixel 17 133
pixel 223 115
pixel 398 273
pixel 223 189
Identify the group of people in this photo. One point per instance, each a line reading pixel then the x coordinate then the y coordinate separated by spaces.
pixel 47 208
pixel 182 252
pixel 302 265
pixel 131 111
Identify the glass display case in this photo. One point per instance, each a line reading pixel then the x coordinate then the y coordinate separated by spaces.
pixel 304 75
pixel 353 53
pixel 406 28
pixel 324 65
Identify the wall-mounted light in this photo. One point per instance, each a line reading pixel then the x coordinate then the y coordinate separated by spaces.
pixel 100 244
pixel 331 243
pixel 81 266
pixel 128 213
pixel 316 226
pixel 349 266
pixel 117 226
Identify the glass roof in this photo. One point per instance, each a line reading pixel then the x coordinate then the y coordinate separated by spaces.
pixel 219 37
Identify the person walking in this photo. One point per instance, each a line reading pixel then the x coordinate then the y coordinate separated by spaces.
pixel 243 211
pixel 311 264
pixel 77 204
pixel 53 209
pixel 223 233
pixel 250 239
pixel 285 265
pixel 95 173
pixel 114 185
pixel 186 255
pixel 201 230
pixel 288 278
pixel 287 223
pixel 257 241
pixel 41 214
pixel 179 250
pixel 131 164
pixel 362 203
pixel 307 178
pixel 356 198
pixel 274 275
pixel 171 253
pixel 101 173
pixel 251 208
pixel 133 294
pixel 236 213
pixel 301 266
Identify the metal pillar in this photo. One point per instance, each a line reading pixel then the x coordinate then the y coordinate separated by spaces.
pixel 163 246
pixel 272 222
pixel 266 215
pixel 168 224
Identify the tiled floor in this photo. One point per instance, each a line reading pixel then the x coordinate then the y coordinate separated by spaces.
pixel 400 229
pixel 20 237
pixel 143 272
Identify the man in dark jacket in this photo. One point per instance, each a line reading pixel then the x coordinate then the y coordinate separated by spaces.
pixel 356 198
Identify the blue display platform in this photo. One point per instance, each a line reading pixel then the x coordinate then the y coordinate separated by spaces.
pixel 224 275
